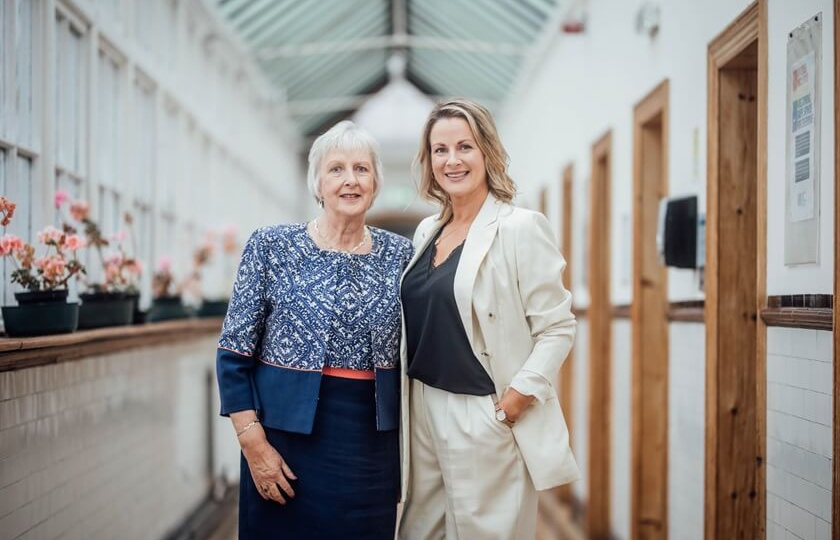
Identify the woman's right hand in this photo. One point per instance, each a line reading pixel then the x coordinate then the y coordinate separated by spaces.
pixel 269 470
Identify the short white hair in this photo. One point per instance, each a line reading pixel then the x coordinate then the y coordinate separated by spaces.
pixel 344 135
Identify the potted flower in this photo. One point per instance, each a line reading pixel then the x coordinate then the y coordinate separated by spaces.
pixel 166 303
pixel 106 302
pixel 211 307
pixel 43 308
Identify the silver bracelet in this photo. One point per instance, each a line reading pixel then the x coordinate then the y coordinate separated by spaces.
pixel 249 426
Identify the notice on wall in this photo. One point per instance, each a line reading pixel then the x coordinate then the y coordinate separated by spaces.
pixel 802 163
pixel 801 173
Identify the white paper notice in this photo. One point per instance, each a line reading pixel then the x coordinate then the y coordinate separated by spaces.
pixel 801 161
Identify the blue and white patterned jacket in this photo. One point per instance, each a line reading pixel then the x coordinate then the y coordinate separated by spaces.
pixel 297 308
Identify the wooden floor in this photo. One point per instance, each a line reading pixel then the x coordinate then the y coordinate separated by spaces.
pixel 555 522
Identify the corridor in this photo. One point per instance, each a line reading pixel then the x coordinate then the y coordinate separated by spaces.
pixel 684 155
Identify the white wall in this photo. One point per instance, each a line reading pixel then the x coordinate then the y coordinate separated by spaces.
pixel 810 278
pixel 622 429
pixel 588 84
pixel 799 433
pixel 580 409
pixel 686 430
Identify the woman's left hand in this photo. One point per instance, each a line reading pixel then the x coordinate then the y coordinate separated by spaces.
pixel 514 404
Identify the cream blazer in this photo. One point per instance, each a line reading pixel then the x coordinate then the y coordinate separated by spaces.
pixel 517 315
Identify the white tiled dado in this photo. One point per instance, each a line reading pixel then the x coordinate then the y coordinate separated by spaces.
pixel 799 433
pixel 622 407
pixel 580 427
pixel 106 447
pixel 686 430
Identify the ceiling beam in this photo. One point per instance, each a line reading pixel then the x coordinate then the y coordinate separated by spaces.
pixel 389 42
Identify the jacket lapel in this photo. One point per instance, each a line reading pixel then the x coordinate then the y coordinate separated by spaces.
pixel 479 239
pixel 425 237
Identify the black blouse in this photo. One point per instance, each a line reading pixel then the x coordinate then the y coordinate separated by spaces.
pixel 439 353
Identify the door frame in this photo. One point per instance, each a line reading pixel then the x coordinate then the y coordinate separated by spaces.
pixel 750 26
pixel 599 315
pixel 650 367
pixel 835 492
pixel 566 245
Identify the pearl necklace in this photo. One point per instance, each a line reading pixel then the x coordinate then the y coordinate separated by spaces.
pixel 332 247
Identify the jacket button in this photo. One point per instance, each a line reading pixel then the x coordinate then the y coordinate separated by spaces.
pixel 491 315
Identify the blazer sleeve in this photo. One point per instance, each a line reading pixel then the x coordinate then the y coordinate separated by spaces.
pixel 242 331
pixel 546 302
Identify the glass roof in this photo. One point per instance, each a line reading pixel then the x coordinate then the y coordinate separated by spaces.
pixel 328 56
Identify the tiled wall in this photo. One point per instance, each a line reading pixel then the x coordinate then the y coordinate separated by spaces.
pixel 686 430
pixel 799 433
pixel 580 412
pixel 107 447
pixel 622 408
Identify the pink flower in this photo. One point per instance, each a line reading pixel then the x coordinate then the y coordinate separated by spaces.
pixel 133 266
pixel 50 235
pixel 119 236
pixel 164 264
pixel 79 210
pixel 9 244
pixel 74 242
pixel 61 197
pixel 116 259
pixel 112 273
pixel 53 268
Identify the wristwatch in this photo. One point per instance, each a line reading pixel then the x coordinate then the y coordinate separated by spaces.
pixel 501 415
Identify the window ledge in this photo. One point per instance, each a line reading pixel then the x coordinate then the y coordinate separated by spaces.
pixel 19 353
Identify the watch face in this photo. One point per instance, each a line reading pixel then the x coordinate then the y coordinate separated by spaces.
pixel 501 416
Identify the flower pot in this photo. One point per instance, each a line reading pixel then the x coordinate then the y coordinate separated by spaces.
pixel 40 319
pixel 102 309
pixel 166 308
pixel 213 308
pixel 138 316
pixel 42 297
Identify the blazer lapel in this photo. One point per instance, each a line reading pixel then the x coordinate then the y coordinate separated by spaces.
pixel 479 239
pixel 425 238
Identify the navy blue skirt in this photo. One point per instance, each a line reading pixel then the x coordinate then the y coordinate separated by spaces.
pixel 348 474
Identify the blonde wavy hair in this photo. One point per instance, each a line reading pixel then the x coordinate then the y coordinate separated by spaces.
pixel 486 136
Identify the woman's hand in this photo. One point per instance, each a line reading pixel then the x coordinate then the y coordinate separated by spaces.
pixel 514 404
pixel 269 470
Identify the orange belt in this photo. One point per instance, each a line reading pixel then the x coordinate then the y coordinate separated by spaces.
pixel 349 373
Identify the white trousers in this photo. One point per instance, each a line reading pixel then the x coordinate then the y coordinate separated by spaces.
pixel 467 479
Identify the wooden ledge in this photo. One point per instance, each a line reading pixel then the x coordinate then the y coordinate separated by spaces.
pixel 18 353
pixel 621 311
pixel 687 311
pixel 799 317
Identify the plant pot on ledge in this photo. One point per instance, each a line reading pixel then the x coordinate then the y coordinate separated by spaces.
pixel 138 315
pixel 101 309
pixel 165 308
pixel 213 308
pixel 41 313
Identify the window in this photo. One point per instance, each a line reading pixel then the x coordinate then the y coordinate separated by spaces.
pixel 25 123
pixel 144 142
pixel 5 21
pixel 170 164
pixel 108 105
pixel 17 186
pixel 70 89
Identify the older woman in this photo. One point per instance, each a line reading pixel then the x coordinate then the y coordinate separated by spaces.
pixel 308 355
pixel 487 326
